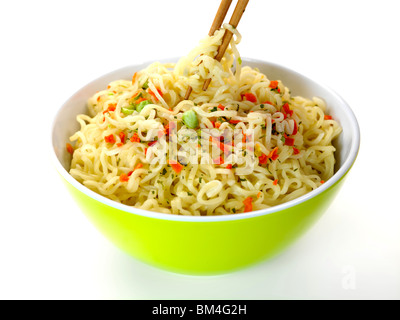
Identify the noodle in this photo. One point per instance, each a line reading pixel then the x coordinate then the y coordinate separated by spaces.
pixel 247 144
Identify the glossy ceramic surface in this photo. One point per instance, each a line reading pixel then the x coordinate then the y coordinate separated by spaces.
pixel 207 245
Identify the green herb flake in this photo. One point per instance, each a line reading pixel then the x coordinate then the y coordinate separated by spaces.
pixel 127 111
pixel 146 84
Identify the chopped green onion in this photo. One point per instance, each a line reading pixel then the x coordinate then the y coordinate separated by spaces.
pixel 141 105
pixel 127 111
pixel 145 85
pixel 240 60
pixel 190 119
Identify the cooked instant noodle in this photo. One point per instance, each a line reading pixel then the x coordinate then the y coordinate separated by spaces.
pixel 244 144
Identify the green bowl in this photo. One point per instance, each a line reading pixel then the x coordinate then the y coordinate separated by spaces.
pixel 215 244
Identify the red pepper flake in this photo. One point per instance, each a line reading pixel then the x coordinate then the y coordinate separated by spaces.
pixel 268 102
pixel 136 93
pixel 134 77
pixel 248 204
pixel 98 98
pixel 119 144
pixel 234 121
pixel 154 95
pixel 322 181
pixel 145 151
pixel 273 154
pixel 273 84
pixel 287 110
pixel 122 136
pixel 327 117
pixel 108 87
pixel 226 149
pixel 259 194
pixel 250 97
pixel 111 107
pixel 175 165
pixel 220 106
pixel 169 127
pixel 124 177
pixel 295 128
pixel 70 148
pixel 296 151
pixel 135 138
pixel 218 160
pixel 289 142
pixel 138 166
pixel 130 173
pixel 217 124
pixel 263 159
pixel 152 143
pixel 110 138
pixel 139 100
pixel 275 182
pixel 229 166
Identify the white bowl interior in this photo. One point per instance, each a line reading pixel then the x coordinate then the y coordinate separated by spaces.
pixel 347 144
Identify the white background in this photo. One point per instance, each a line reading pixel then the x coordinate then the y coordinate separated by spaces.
pixel 49 250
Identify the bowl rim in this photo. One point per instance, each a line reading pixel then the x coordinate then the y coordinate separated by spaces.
pixel 338 175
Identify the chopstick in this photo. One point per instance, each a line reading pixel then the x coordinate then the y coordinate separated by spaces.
pixel 236 16
pixel 217 23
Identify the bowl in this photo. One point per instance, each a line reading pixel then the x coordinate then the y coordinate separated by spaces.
pixel 207 244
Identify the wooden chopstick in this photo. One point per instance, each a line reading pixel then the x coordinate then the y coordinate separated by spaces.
pixel 220 16
pixel 217 23
pixel 236 16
